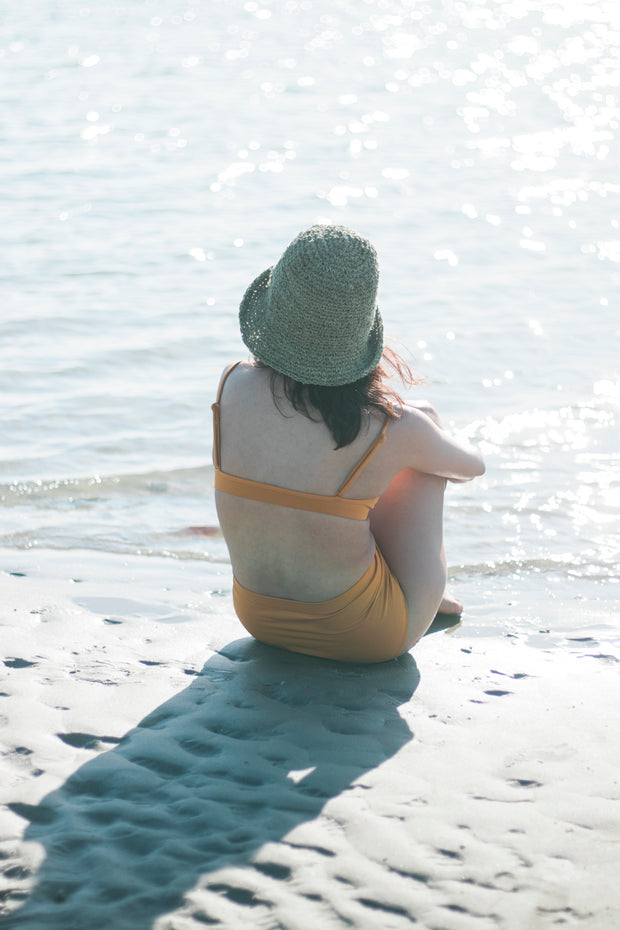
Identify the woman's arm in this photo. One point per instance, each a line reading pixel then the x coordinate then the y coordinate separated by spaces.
pixel 426 447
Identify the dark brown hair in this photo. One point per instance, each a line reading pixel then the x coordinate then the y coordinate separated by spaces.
pixel 341 408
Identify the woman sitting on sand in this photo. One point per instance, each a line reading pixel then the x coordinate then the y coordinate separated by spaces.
pixel 329 489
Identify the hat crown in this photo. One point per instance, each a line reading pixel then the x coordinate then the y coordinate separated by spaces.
pixel 313 316
pixel 326 284
pixel 331 259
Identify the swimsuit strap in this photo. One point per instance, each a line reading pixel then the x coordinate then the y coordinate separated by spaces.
pixel 217 451
pixel 349 507
pixel 223 380
pixel 355 471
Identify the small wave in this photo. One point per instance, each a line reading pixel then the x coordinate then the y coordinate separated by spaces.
pixel 68 543
pixel 567 565
pixel 96 487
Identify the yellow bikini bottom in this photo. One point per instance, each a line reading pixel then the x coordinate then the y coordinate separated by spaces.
pixel 367 623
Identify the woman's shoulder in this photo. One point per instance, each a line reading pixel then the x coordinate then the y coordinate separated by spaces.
pixel 240 366
pixel 414 418
pixel 413 428
pixel 237 374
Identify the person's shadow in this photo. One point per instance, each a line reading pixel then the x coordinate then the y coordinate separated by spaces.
pixel 255 746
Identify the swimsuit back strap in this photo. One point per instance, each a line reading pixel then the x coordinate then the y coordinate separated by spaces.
pixel 299 500
pixel 363 462
pixel 217 453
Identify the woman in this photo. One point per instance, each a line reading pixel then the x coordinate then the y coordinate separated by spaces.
pixel 329 491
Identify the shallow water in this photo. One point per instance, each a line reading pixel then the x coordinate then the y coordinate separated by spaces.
pixel 159 155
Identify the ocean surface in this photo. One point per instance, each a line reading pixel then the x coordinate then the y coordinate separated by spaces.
pixel 156 156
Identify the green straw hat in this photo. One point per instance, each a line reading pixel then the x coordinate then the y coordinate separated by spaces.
pixel 314 315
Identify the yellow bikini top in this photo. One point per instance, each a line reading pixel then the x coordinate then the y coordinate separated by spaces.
pixel 336 505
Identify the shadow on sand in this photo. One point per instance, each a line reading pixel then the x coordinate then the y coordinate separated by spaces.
pixel 256 745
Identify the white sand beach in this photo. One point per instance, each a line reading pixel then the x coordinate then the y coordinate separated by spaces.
pixel 160 770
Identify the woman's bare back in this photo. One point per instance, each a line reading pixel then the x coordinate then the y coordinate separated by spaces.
pixel 281 551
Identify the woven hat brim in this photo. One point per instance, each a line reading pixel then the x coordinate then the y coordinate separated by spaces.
pixel 281 353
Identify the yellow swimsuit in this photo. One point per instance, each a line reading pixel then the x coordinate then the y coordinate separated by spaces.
pixel 367 623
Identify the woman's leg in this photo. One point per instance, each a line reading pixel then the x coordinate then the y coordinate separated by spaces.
pixel 407 524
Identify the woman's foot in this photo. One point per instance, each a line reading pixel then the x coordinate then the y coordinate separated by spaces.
pixel 450 605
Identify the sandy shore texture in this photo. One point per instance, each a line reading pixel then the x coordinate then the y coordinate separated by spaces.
pixel 160 770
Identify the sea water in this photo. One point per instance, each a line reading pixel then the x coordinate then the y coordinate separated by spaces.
pixel 158 155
